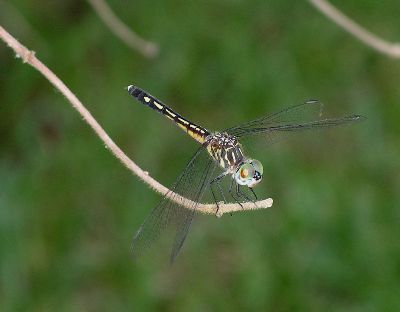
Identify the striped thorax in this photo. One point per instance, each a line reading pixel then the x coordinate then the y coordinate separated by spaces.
pixel 225 150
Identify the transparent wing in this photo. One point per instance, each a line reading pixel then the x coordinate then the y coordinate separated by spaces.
pixel 192 184
pixel 306 116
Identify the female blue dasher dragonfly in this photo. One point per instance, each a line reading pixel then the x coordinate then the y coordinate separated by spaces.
pixel 220 156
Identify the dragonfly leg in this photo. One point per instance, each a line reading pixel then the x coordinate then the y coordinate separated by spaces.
pixel 255 196
pixel 233 196
pixel 215 199
pixel 217 180
pixel 241 194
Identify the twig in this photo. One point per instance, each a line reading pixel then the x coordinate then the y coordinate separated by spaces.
pixel 375 42
pixel 29 57
pixel 148 49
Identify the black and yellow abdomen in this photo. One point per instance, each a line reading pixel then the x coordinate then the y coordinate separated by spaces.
pixel 196 132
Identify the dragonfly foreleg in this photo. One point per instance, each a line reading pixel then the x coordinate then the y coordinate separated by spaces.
pixel 255 196
pixel 231 192
pixel 241 194
pixel 217 180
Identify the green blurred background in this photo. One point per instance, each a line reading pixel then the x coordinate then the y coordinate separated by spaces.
pixel 68 208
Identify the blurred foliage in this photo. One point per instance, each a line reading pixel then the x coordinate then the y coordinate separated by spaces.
pixel 68 209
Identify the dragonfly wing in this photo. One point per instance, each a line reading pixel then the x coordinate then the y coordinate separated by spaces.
pixel 191 184
pixel 306 116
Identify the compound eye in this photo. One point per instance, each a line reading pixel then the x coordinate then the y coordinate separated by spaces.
pixel 257 166
pixel 246 172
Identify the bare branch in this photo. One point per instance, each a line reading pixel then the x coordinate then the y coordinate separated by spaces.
pixel 375 42
pixel 148 49
pixel 29 57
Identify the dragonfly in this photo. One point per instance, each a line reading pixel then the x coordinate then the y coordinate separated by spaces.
pixel 220 155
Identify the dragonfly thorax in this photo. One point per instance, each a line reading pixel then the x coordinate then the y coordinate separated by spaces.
pixel 225 150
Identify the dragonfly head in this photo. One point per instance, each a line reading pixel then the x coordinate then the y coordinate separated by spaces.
pixel 249 173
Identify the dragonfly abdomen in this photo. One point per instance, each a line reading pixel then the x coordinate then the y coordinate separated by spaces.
pixel 196 132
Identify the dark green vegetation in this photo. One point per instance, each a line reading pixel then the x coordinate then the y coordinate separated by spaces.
pixel 68 208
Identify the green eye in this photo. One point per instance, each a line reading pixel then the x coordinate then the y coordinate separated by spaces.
pixel 246 172
pixel 257 166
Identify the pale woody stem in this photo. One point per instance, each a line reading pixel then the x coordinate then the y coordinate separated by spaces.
pixel 375 42
pixel 127 35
